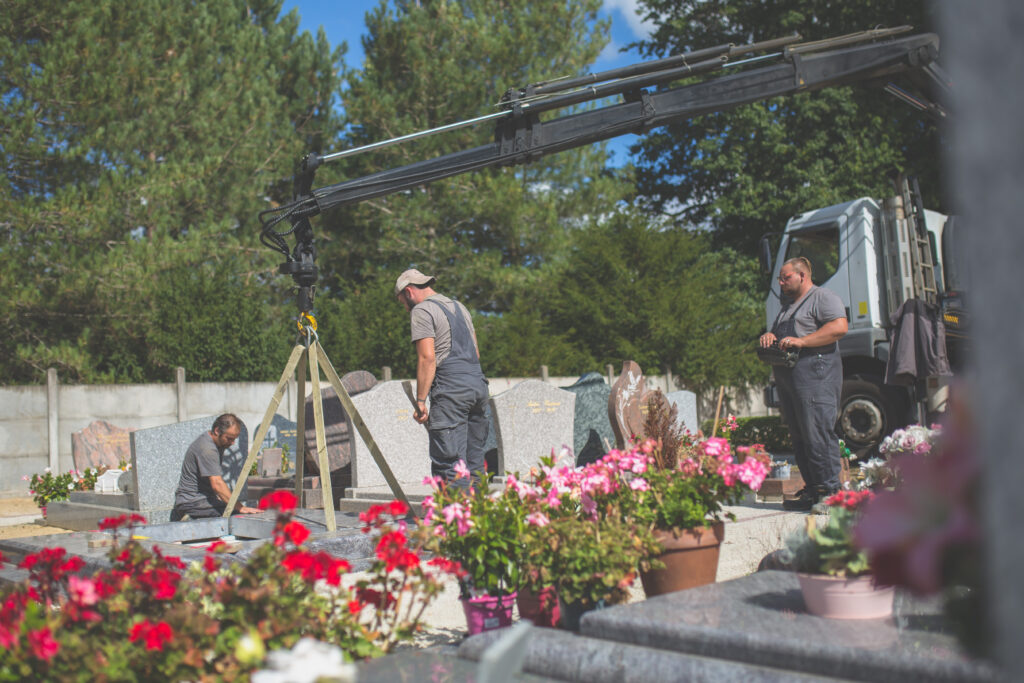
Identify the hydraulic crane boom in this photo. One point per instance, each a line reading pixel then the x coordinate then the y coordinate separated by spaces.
pixel 521 137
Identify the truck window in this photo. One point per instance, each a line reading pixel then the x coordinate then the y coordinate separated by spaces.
pixel 820 246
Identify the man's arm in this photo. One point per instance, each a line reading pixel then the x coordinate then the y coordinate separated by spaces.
pixel 832 331
pixel 426 367
pixel 220 488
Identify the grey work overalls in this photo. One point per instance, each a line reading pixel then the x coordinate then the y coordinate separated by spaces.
pixel 809 394
pixel 458 422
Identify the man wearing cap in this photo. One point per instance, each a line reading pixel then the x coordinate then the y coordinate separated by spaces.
pixel 448 373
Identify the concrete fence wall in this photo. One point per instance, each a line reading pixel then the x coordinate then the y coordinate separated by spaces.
pixel 36 422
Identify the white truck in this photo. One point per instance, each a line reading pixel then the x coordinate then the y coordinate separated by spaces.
pixel 875 254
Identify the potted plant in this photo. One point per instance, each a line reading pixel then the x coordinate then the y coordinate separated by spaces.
pixel 49 487
pixel 482 532
pixel 833 570
pixel 683 484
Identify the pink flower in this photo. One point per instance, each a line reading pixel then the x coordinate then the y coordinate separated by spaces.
pixel 460 515
pixel 639 484
pixel 432 482
pixel 537 519
pixel 461 471
pixel 716 447
pixel 82 591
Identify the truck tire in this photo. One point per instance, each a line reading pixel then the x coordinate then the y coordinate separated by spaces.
pixel 866 415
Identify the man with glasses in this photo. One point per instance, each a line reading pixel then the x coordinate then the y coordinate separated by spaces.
pixel 811 322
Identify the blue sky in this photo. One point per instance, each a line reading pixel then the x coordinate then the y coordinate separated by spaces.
pixel 343 20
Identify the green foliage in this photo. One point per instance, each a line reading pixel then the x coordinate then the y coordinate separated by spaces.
pixel 140 141
pixel 767 430
pixel 594 560
pixel 744 172
pixel 48 487
pixel 656 294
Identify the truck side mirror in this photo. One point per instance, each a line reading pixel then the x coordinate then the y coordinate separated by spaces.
pixel 765 256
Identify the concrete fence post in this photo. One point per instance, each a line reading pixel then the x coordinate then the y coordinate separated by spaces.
pixel 543 373
pixel 385 373
pixel 179 384
pixel 52 418
pixel 669 384
pixel 611 374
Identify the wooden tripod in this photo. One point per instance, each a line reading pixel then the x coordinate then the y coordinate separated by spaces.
pixel 312 354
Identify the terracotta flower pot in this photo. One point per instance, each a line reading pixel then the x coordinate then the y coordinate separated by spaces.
pixel 487 612
pixel 690 560
pixel 837 597
pixel 540 608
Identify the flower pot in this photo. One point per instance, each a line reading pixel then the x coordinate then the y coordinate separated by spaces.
pixel 690 560
pixel 837 597
pixel 572 612
pixel 781 471
pixel 540 608
pixel 488 612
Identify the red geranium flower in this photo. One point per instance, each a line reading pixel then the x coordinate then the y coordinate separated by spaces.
pixel 282 500
pixel 296 532
pixel 42 643
pixel 397 508
pixel 370 515
pixel 156 635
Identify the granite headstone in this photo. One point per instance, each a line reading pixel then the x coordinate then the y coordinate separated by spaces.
pixel 628 403
pixel 338 431
pixel 157 455
pixel 531 419
pixel 100 444
pixel 592 431
pixel 388 415
pixel 686 407
pixel 281 434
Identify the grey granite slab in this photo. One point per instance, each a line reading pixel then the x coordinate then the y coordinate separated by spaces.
pixel 686 407
pixel 592 432
pixel 157 454
pixel 761 620
pixel 388 415
pixel 564 656
pixel 532 419
pixel 429 666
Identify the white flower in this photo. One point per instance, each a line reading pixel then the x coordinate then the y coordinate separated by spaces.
pixel 71 487
pixel 309 661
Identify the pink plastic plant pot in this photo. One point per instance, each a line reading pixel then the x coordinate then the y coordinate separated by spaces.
pixel 836 597
pixel 487 612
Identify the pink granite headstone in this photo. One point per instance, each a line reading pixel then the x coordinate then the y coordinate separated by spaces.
pixel 99 444
pixel 628 404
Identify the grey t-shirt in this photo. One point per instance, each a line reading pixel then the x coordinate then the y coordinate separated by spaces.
pixel 202 461
pixel 429 321
pixel 822 306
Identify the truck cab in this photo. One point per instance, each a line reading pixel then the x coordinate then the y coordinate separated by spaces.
pixel 874 255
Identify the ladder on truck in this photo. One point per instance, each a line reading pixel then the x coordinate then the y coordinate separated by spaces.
pixel 907 248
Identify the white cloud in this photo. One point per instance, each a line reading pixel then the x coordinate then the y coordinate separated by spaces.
pixel 627 9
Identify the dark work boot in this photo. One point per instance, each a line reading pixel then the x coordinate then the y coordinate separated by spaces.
pixel 823 493
pixel 803 502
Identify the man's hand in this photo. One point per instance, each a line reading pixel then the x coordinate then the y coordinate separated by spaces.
pixel 789 343
pixel 767 339
pixel 422 413
pixel 245 510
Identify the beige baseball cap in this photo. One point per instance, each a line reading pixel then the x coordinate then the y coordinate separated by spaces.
pixel 412 277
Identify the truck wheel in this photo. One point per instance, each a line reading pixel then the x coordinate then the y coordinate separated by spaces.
pixel 865 415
